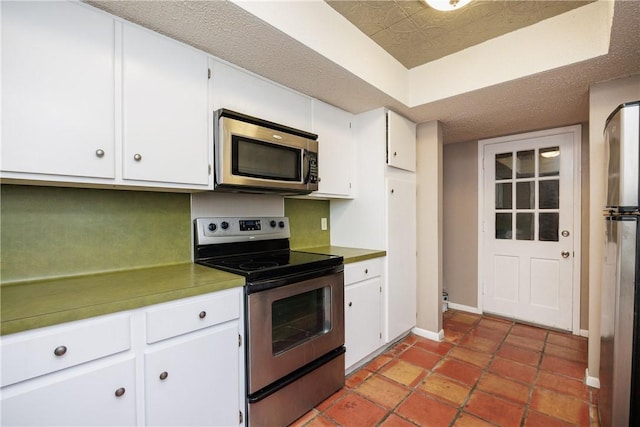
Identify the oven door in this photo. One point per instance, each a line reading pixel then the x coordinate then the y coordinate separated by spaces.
pixel 290 326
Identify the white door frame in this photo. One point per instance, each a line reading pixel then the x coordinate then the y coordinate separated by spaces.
pixel 577 211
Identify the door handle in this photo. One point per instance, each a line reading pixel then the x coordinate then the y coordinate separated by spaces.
pixel 565 254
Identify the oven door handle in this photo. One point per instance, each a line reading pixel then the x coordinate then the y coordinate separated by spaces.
pixel 262 285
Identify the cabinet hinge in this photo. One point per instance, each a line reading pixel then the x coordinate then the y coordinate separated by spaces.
pixel 209 169
pixel 380 335
pixel 239 340
pixel 380 289
pixel 209 73
pixel 240 417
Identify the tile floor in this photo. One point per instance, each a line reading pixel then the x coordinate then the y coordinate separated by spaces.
pixel 487 372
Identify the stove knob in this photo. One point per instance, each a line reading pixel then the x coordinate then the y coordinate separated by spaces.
pixel 212 227
pixel 224 225
pixel 281 224
pixel 273 223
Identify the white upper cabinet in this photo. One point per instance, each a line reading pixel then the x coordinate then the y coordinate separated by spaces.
pixel 246 93
pixel 164 109
pixel 401 142
pixel 57 90
pixel 336 157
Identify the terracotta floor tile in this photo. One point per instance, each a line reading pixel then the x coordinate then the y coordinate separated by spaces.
pixel 403 372
pixel 411 339
pixel 494 409
pixel 565 353
pixel 426 411
pixel 453 337
pixel 559 406
pixel 514 370
pixel 378 362
pixel 564 385
pixel 563 366
pixel 463 372
pixel 440 348
pixel 383 391
pixel 495 323
pixel 568 340
pixel 397 349
pixel 476 342
pixel 525 342
pixel 321 421
pixel 529 331
pixel 395 421
pixel 452 325
pixel 443 388
pixel 356 411
pixel 503 387
pixel 421 358
pixel 356 378
pixel 536 419
pixel 517 354
pixel 477 358
pixel 489 333
pixel 325 404
pixel 468 420
pixel 468 318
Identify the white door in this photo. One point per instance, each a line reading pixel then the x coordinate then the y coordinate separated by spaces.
pixel 528 227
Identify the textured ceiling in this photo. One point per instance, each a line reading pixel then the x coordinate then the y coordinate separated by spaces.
pixel 554 98
pixel 415 34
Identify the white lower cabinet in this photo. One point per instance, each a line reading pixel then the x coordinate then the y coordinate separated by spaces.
pixel 190 374
pixel 362 311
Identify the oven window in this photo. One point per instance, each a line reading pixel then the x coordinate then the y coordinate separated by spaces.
pixel 260 159
pixel 299 318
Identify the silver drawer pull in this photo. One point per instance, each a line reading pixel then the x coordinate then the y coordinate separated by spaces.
pixel 164 375
pixel 137 157
pixel 350 303
pixel 366 271
pixel 100 153
pixel 202 314
pixel 120 392
pixel 60 350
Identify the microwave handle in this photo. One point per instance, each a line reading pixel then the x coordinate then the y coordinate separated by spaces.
pixel 306 171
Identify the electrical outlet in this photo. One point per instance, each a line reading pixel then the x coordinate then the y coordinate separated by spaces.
pixel 323 223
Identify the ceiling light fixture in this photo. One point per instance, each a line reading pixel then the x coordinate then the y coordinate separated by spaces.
pixel 447 5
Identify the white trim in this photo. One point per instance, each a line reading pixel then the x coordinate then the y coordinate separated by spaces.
pixel 433 336
pixel 584 333
pixel 466 308
pixel 577 210
pixel 591 381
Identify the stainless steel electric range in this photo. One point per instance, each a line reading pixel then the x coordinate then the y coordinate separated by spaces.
pixel 294 314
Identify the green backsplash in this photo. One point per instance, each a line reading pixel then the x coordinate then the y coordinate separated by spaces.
pixel 304 219
pixel 50 232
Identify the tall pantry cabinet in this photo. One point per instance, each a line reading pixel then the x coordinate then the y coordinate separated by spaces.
pixel 383 214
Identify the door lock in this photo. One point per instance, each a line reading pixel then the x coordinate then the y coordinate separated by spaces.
pixel 565 254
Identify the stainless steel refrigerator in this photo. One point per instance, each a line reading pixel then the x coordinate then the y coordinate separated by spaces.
pixel 619 397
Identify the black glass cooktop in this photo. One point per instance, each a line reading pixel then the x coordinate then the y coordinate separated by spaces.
pixel 272 265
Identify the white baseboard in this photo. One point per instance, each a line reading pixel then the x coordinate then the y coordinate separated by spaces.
pixel 466 308
pixel 433 336
pixel 591 381
pixel 584 333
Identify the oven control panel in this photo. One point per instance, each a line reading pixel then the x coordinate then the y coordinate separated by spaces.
pixel 240 229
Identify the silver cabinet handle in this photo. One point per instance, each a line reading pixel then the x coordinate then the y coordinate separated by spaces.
pixel 202 314
pixel 137 157
pixel 350 303
pixel 395 153
pixel 565 254
pixel 164 375
pixel 60 350
pixel 100 153
pixel 120 392
pixel 366 271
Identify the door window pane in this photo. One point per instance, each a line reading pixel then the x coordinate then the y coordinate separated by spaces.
pixel 549 194
pixel 525 195
pixel 524 226
pixel 503 226
pixel 525 164
pixel 504 166
pixel 549 161
pixel 503 196
pixel 548 227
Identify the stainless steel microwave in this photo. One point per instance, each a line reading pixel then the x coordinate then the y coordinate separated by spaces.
pixel 257 156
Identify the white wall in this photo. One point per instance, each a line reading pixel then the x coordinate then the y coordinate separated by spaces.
pixel 603 99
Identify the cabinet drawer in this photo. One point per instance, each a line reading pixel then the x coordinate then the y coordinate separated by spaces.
pixel 34 353
pixel 170 320
pixel 359 271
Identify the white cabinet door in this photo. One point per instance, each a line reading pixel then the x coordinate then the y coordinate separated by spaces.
pixel 57 90
pixel 79 397
pixel 165 110
pixel 193 380
pixel 401 142
pixel 362 320
pixel 336 157
pixel 401 258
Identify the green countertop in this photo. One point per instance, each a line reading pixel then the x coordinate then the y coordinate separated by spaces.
pixel 30 305
pixel 349 254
